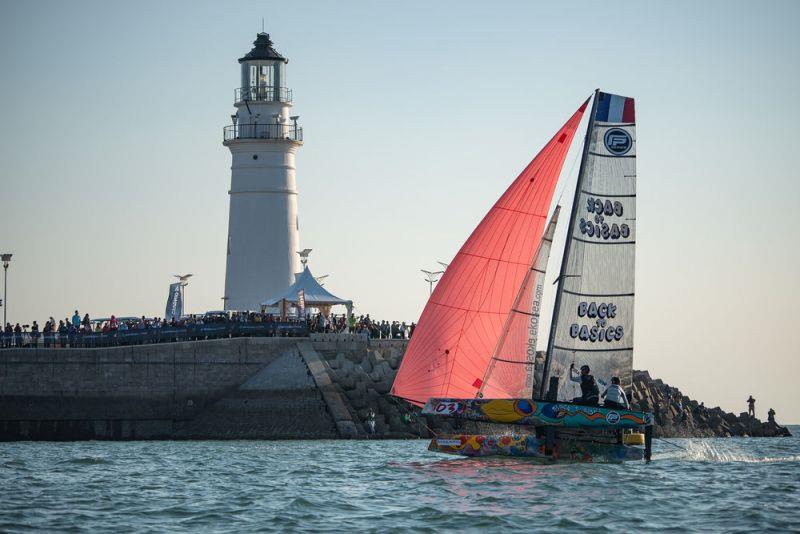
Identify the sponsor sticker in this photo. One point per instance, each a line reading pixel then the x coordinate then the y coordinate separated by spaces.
pixel 618 141
pixel 612 418
pixel 449 442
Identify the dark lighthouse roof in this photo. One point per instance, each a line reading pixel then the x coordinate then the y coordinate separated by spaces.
pixel 263 50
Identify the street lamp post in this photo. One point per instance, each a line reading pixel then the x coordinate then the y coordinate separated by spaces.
pixel 304 256
pixel 6 260
pixel 431 277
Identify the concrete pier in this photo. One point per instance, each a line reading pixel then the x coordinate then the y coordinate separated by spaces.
pixel 250 388
pixel 244 388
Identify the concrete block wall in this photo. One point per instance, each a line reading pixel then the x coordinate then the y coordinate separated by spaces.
pixel 144 391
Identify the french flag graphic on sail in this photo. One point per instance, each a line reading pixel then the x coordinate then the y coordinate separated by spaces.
pixel 615 108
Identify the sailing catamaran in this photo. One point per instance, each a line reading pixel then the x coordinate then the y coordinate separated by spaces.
pixel 473 353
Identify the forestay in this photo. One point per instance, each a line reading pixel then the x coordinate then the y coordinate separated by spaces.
pixel 593 316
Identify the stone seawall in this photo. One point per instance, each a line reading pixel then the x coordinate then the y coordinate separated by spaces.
pixel 251 388
pixel 232 388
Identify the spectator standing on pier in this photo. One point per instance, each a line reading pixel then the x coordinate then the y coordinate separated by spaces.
pixel 76 320
pixel 34 334
pixel 72 333
pixel 62 334
pixel 9 334
pixel 47 331
pixel 18 335
pixel 751 406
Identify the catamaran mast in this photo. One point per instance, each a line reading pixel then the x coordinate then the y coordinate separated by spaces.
pixel 562 273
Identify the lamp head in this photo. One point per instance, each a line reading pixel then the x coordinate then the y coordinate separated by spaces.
pixel 6 258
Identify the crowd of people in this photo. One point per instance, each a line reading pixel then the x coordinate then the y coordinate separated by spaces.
pixel 363 325
pixel 82 331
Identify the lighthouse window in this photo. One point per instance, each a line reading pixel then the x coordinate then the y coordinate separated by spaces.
pixel 264 79
pixel 262 75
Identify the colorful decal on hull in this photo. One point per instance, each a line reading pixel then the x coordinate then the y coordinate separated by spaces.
pixel 528 446
pixel 530 412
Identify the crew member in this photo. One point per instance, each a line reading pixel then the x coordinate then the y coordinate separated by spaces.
pixel 590 393
pixel 614 395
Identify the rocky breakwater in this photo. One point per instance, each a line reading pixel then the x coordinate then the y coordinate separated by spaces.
pixel 363 372
pixel 677 415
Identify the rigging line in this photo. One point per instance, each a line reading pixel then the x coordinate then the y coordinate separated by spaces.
pixel 417 418
pixel 673 444
pixel 569 174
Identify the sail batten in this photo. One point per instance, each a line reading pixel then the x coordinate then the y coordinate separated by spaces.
pixel 459 328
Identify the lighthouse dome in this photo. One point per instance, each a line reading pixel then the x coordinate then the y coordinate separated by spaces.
pixel 262 50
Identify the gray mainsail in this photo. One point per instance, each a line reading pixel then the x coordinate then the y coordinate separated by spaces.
pixel 593 313
pixel 510 373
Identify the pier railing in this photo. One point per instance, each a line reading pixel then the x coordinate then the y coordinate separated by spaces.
pixel 141 336
pixel 278 132
pixel 262 94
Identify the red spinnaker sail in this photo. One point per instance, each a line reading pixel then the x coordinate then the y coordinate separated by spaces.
pixel 462 321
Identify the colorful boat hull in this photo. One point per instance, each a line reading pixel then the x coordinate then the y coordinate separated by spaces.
pixel 529 446
pixel 537 413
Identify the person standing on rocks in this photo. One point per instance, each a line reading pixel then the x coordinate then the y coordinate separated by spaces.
pixel 771 416
pixel 371 421
pixel 751 406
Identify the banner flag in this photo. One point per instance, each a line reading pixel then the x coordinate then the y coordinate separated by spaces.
pixel 174 302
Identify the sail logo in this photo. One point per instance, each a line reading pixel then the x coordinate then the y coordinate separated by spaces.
pixel 618 141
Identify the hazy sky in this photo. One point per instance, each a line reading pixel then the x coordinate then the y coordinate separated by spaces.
pixel 417 116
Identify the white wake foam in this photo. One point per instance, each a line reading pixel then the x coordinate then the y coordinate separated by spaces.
pixel 704 451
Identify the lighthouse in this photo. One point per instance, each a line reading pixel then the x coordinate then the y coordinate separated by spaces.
pixel 263 227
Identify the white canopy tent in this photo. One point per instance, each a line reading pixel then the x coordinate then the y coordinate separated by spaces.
pixel 315 296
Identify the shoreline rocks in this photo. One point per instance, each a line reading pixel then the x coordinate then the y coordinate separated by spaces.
pixel 365 377
pixel 677 415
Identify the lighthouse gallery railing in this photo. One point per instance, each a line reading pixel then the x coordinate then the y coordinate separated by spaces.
pixel 262 94
pixel 283 132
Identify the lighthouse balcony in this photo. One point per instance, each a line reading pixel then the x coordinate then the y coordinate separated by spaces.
pixel 278 132
pixel 262 94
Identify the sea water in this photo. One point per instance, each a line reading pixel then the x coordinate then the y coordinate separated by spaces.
pixel 225 486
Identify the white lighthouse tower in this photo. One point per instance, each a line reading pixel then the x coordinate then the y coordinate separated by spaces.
pixel 263 228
